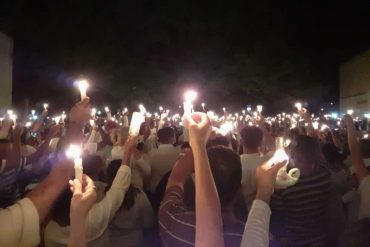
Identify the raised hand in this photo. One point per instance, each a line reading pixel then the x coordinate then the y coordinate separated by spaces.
pixel 199 127
pixel 80 113
pixel 84 197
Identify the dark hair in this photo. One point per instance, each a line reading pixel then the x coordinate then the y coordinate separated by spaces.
pixel 143 127
pixel 365 148
pixel 166 135
pixel 61 208
pixel 218 141
pixel 251 136
pixel 305 151
pixel 226 170
pixel 132 192
pixel 92 166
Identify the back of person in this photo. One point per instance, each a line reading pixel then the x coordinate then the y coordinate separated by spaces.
pixel 127 226
pixel 164 158
pixel 299 212
pixel 177 220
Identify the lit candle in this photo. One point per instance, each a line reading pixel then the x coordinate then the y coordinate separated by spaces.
pixel 92 122
pixel 74 152
pixel 298 105
pixel 224 109
pixel 93 112
pixel 259 109
pixel 33 112
pixel 82 85
pixel 350 111
pixel 160 109
pixel 142 109
pixel 189 96
pixel 249 108
pixel 46 106
pixel 203 105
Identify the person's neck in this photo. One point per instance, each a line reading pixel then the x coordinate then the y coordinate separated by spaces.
pixel 250 150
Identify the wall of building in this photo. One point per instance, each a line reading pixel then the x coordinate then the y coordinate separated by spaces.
pixel 6 70
pixel 355 84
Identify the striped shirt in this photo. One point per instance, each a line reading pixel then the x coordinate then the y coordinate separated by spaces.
pixel 298 212
pixel 9 189
pixel 177 223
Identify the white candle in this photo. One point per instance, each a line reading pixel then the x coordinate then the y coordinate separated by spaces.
pixel 298 105
pixel 259 108
pixel 189 96
pixel 46 106
pixel 74 152
pixel 82 85
pixel 142 109
pixel 160 109
pixel 203 105
pixel 249 109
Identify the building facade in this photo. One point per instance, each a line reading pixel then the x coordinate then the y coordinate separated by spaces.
pixel 355 84
pixel 6 71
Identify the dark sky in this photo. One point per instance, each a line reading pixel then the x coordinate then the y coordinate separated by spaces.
pixel 232 51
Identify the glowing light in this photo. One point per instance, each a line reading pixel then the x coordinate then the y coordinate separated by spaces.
pixel 259 108
pixel 28 124
pixel 350 111
pixel 46 106
pixel 160 109
pixel 92 122
pixel 324 127
pixel 298 105
pixel 142 109
pixel 93 112
pixel 136 121
pixel 74 152
pixel 249 108
pixel 366 136
pixel 33 112
pixel 226 128
pixel 334 115
pixel 82 85
pixel 315 125
pixel 9 112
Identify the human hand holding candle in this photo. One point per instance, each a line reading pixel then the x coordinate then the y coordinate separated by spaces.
pixel 74 152
pixel 298 105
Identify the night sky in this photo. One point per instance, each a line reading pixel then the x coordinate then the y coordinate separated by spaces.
pixel 233 52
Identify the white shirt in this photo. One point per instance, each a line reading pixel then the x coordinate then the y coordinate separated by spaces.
pixel 256 231
pixel 126 229
pixel 99 215
pixel 364 190
pixel 162 161
pixel 250 162
pixel 19 225
pixel 140 170
pixel 117 152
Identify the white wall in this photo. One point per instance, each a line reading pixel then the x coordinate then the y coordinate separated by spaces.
pixel 6 70
pixel 355 84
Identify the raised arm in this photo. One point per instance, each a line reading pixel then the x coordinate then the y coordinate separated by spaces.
pixel 354 147
pixel 209 225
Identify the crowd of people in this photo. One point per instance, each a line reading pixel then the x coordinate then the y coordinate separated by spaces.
pixel 198 179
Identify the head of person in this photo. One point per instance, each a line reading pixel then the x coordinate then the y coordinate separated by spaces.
pixel 305 151
pixel 226 170
pixel 166 136
pixel 92 166
pixel 365 148
pixel 251 138
pixel 130 196
pixel 144 130
pixel 218 141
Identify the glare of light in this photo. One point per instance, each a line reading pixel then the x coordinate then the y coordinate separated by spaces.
pixel 142 109
pixel 148 115
pixel 190 96
pixel 225 128
pixel 34 117
pixel 33 112
pixel 243 111
pixel 324 127
pixel 298 105
pixel 125 110
pixel 106 109
pixel 334 115
pixel 9 112
pixel 46 106
pixel 315 125
pixel 259 108
pixel 224 109
pixel 203 105
pixel 93 111
pixel 57 119
pixel 160 108
pixel 350 111
pixel 366 136
pixel 28 124
pixel 367 115
pixel 92 122
pixel 73 152
pixel 82 85
pixel 249 108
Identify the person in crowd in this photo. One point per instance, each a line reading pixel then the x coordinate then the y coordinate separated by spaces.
pixel 93 167
pixel 20 222
pixel 149 138
pixel 83 199
pixel 298 212
pixel 57 231
pixel 134 216
pixel 251 139
pixel 177 222
pixel 164 157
